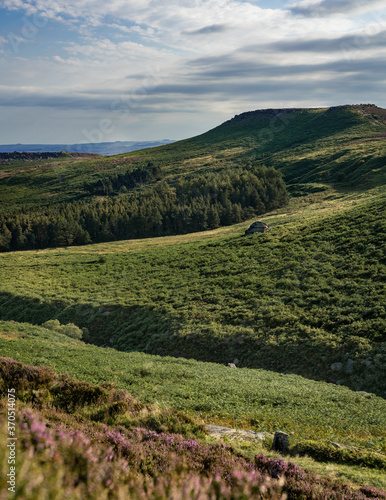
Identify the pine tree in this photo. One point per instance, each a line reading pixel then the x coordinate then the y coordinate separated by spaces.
pixel 5 238
pixel 213 218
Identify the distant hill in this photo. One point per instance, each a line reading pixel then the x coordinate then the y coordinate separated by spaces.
pixel 100 148
pixel 229 174
pixel 341 144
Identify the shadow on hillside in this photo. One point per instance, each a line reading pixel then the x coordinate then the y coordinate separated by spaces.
pixel 121 327
pixel 142 329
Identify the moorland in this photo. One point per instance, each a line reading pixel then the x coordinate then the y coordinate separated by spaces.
pixel 130 278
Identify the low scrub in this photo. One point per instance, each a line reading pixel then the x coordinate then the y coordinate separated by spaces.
pixel 140 464
pixel 70 329
pixel 45 389
pixel 328 452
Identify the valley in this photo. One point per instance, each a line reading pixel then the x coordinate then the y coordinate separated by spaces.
pixel 166 292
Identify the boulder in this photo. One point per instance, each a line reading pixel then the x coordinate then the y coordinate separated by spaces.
pixel 280 442
pixel 232 365
pixel 220 432
pixel 257 227
pixel 349 365
pixel 336 367
pixel 365 394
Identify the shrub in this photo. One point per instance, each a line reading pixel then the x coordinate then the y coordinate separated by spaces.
pixel 57 462
pixel 327 452
pixel 70 330
pixel 22 377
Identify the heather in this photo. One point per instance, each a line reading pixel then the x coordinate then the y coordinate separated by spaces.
pixel 259 400
pixel 66 463
pixel 46 389
pixel 143 464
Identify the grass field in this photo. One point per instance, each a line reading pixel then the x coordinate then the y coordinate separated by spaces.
pixel 243 398
pixel 286 300
pixel 299 309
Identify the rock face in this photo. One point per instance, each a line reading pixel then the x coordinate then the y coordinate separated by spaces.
pixel 281 442
pixel 220 432
pixel 263 114
pixel 257 227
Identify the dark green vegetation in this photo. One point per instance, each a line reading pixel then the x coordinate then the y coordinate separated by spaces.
pixel 203 202
pixel 295 299
pixel 221 174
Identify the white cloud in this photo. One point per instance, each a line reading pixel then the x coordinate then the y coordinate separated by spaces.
pixel 201 58
pixel 321 8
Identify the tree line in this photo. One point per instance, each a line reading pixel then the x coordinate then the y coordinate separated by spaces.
pixel 195 203
pixel 122 183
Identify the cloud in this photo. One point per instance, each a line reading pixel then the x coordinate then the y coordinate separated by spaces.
pixel 188 63
pixel 358 40
pixel 322 8
pixel 232 68
pixel 208 30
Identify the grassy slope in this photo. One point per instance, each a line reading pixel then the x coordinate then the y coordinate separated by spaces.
pixel 344 144
pixel 285 301
pixel 72 405
pixel 298 298
pixel 257 399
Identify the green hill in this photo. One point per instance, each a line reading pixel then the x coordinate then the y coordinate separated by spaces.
pixel 222 177
pixel 300 298
pixel 298 310
pixel 305 298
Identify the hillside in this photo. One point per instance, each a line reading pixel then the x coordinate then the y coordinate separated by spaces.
pixel 286 300
pixel 219 178
pixel 216 296
pixel 131 278
pixel 168 396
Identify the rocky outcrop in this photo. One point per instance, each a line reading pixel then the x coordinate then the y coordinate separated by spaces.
pixel 263 114
pixel 220 432
pixel 257 227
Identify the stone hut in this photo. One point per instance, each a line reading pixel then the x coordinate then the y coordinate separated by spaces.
pixel 257 227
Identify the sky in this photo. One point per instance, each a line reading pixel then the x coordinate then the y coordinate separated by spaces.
pixel 74 71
